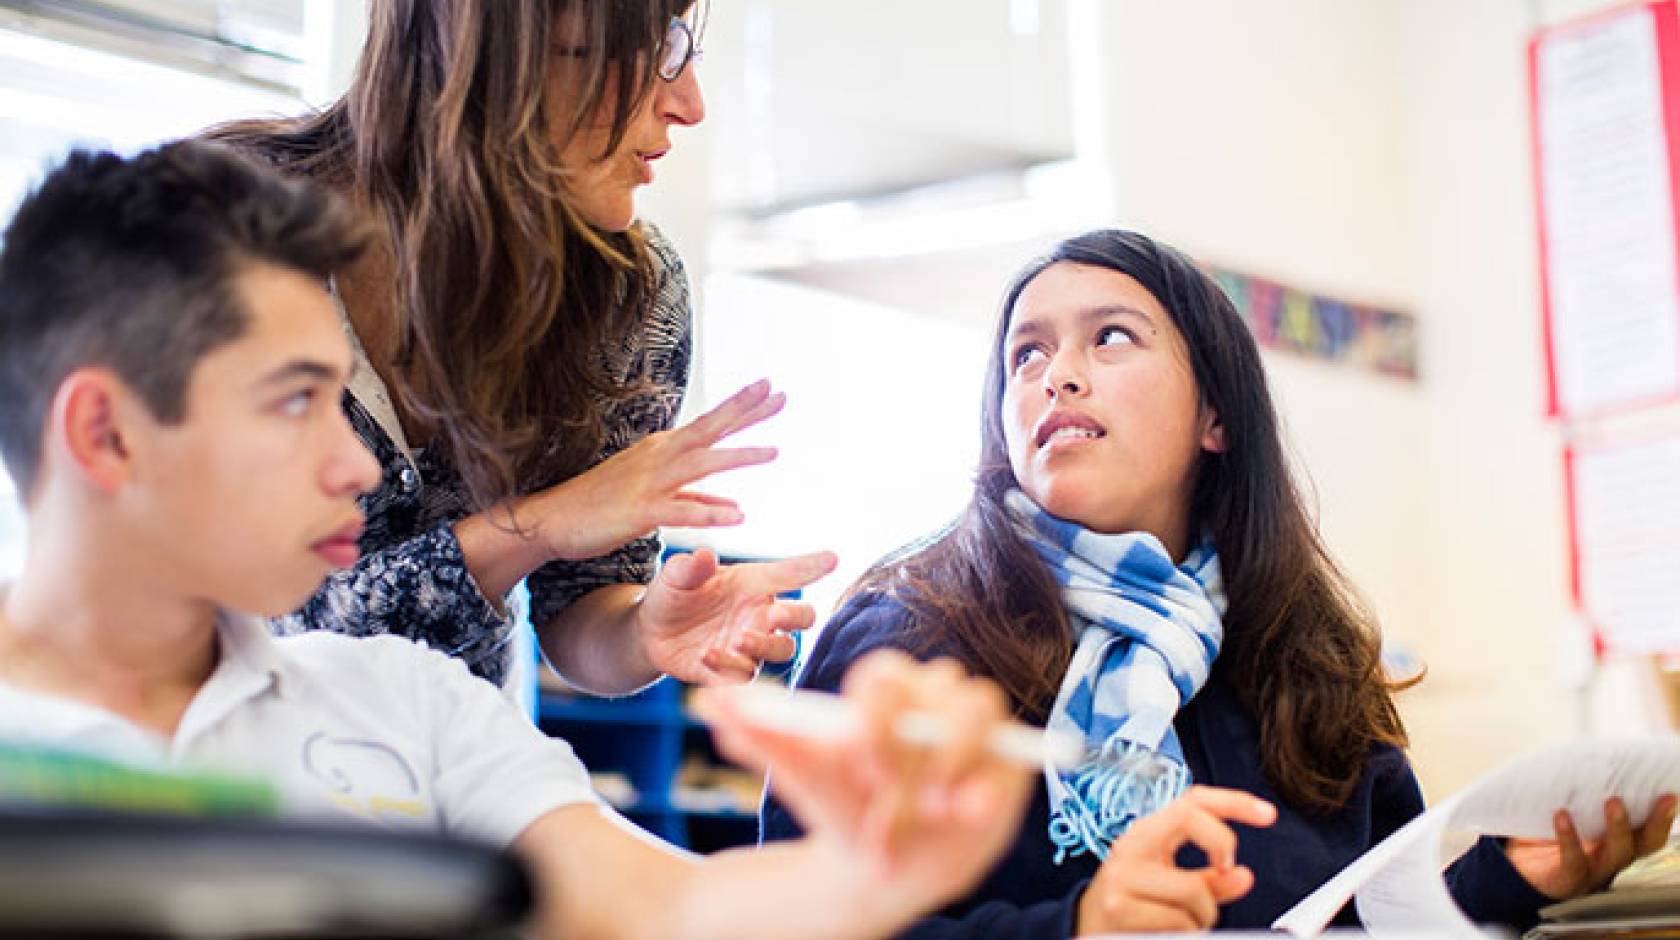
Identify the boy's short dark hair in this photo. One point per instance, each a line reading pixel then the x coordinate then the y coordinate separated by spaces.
pixel 132 263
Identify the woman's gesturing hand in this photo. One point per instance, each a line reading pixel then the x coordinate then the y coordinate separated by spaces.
pixel 1141 887
pixel 645 486
pixel 710 623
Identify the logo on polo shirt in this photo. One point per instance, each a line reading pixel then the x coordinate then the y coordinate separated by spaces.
pixel 363 777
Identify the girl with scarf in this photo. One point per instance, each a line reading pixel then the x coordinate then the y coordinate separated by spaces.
pixel 1137 567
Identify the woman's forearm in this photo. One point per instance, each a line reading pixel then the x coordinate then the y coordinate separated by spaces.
pixel 500 553
pixel 596 641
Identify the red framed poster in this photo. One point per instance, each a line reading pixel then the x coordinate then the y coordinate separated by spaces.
pixel 1605 105
pixel 1624 528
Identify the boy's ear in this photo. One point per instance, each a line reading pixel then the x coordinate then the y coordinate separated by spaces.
pixel 86 416
pixel 1213 432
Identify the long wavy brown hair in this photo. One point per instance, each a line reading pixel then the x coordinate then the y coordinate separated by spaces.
pixel 508 304
pixel 1301 650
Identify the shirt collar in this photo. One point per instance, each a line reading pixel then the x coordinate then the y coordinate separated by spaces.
pixel 247 647
pixel 249 666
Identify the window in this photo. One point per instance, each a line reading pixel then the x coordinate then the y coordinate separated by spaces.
pixel 56 94
pixel 880 436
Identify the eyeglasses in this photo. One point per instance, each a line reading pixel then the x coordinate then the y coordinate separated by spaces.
pixel 677 49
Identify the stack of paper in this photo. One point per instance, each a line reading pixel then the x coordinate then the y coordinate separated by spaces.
pixel 1644 901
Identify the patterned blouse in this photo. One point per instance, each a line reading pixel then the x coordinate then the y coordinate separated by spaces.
pixel 412 578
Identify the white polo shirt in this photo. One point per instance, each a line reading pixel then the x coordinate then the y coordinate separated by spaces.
pixel 380 728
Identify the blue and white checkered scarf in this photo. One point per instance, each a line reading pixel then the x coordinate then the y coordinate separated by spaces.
pixel 1148 633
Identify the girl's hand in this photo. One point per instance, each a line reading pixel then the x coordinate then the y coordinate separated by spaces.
pixel 1567 866
pixel 1141 888
pixel 645 486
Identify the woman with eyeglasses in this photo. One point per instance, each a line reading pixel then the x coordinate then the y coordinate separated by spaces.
pixel 524 346
pixel 1136 568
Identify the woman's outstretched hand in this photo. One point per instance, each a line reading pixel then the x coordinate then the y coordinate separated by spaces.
pixel 645 487
pixel 710 623
pixel 1569 866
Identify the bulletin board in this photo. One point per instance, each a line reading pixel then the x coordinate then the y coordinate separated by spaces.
pixel 1605 108
pixel 1605 102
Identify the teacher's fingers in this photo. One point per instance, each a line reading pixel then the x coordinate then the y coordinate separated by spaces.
pixel 729 665
pixel 786 574
pixel 704 499
pixel 787 616
pixel 687 511
pixel 689 570
pixel 745 408
pixel 699 464
pixel 761 647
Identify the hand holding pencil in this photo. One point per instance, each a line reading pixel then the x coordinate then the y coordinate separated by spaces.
pixel 831 717
pixel 901 774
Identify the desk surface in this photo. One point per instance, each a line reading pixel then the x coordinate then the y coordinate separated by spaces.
pixel 71 872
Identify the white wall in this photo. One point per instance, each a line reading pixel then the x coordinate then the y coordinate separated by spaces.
pixel 1373 151
pixel 1497 688
pixel 1276 139
pixel 1380 151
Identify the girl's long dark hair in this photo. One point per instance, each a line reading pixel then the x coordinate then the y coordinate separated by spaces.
pixel 1301 650
pixel 507 301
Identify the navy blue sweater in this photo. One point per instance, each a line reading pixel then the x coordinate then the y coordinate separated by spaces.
pixel 1028 895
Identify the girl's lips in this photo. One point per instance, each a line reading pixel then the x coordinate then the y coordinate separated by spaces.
pixel 1045 434
pixel 1057 444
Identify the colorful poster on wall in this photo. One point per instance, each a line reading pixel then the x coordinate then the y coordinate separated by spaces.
pixel 1605 95
pixel 1292 320
pixel 1625 534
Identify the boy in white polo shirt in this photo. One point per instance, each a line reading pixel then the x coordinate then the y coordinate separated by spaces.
pixel 171 370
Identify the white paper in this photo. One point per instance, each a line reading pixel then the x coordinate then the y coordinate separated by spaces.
pixel 1398 886
pixel 1520 798
pixel 1309 917
pixel 1609 214
pixel 1409 894
pixel 1627 524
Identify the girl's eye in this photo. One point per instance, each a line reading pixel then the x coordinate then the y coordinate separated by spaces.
pixel 1025 355
pixel 1112 335
pixel 296 406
